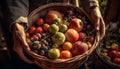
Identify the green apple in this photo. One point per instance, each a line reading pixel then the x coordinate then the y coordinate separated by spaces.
pixel 54 53
pixel 57 21
pixel 63 28
pixel 53 28
pixel 58 38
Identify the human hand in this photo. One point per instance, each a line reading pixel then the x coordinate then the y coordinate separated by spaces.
pixel 98 21
pixel 20 41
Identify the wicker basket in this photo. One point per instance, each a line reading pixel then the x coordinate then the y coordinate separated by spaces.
pixel 46 63
pixel 105 60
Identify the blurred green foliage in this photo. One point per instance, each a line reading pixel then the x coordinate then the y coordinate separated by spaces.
pixel 102 4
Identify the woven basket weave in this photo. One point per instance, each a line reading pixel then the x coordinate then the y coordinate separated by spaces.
pixel 47 63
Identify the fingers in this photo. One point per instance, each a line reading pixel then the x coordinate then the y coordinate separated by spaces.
pixel 98 21
pixel 19 50
pixel 20 35
pixel 20 40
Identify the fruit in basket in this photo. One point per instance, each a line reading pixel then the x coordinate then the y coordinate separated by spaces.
pixel 67 45
pixel 65 54
pixel 116 60
pixel 72 35
pixel 113 54
pixel 63 28
pixel 51 15
pixel 57 21
pixel 79 48
pixel 76 24
pixel 53 28
pixel 39 29
pixel 35 37
pixel 114 46
pixel 54 53
pixel 31 30
pixel 39 21
pixel 46 27
pixel 58 38
pixel 91 39
pixel 89 27
pixel 59 35
pixel 82 36
pixel 111 48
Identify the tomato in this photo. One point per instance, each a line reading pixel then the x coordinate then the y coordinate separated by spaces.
pixel 46 27
pixel 67 46
pixel 39 21
pixel 65 54
pixel 31 30
pixel 39 29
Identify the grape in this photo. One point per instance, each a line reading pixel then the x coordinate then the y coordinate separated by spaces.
pixel 39 35
pixel 41 52
pixel 36 43
pixel 70 12
pixel 30 43
pixel 39 46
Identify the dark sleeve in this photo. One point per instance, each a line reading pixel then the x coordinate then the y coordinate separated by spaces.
pixel 18 8
pixel 89 4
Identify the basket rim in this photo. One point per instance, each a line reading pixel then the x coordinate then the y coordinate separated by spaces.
pixel 86 54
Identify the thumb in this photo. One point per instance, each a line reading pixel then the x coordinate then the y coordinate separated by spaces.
pixel 97 24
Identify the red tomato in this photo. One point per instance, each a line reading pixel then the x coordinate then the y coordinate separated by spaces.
pixel 46 27
pixel 40 21
pixel 31 30
pixel 38 29
pixel 65 54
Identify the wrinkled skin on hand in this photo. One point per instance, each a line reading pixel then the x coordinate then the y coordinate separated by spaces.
pixel 20 41
pixel 98 21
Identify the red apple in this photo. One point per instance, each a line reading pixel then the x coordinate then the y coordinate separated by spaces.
pixel 72 35
pixel 52 15
pixel 79 48
pixel 76 24
pixel 82 36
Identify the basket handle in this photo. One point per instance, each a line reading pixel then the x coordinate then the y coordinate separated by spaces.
pixel 75 2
